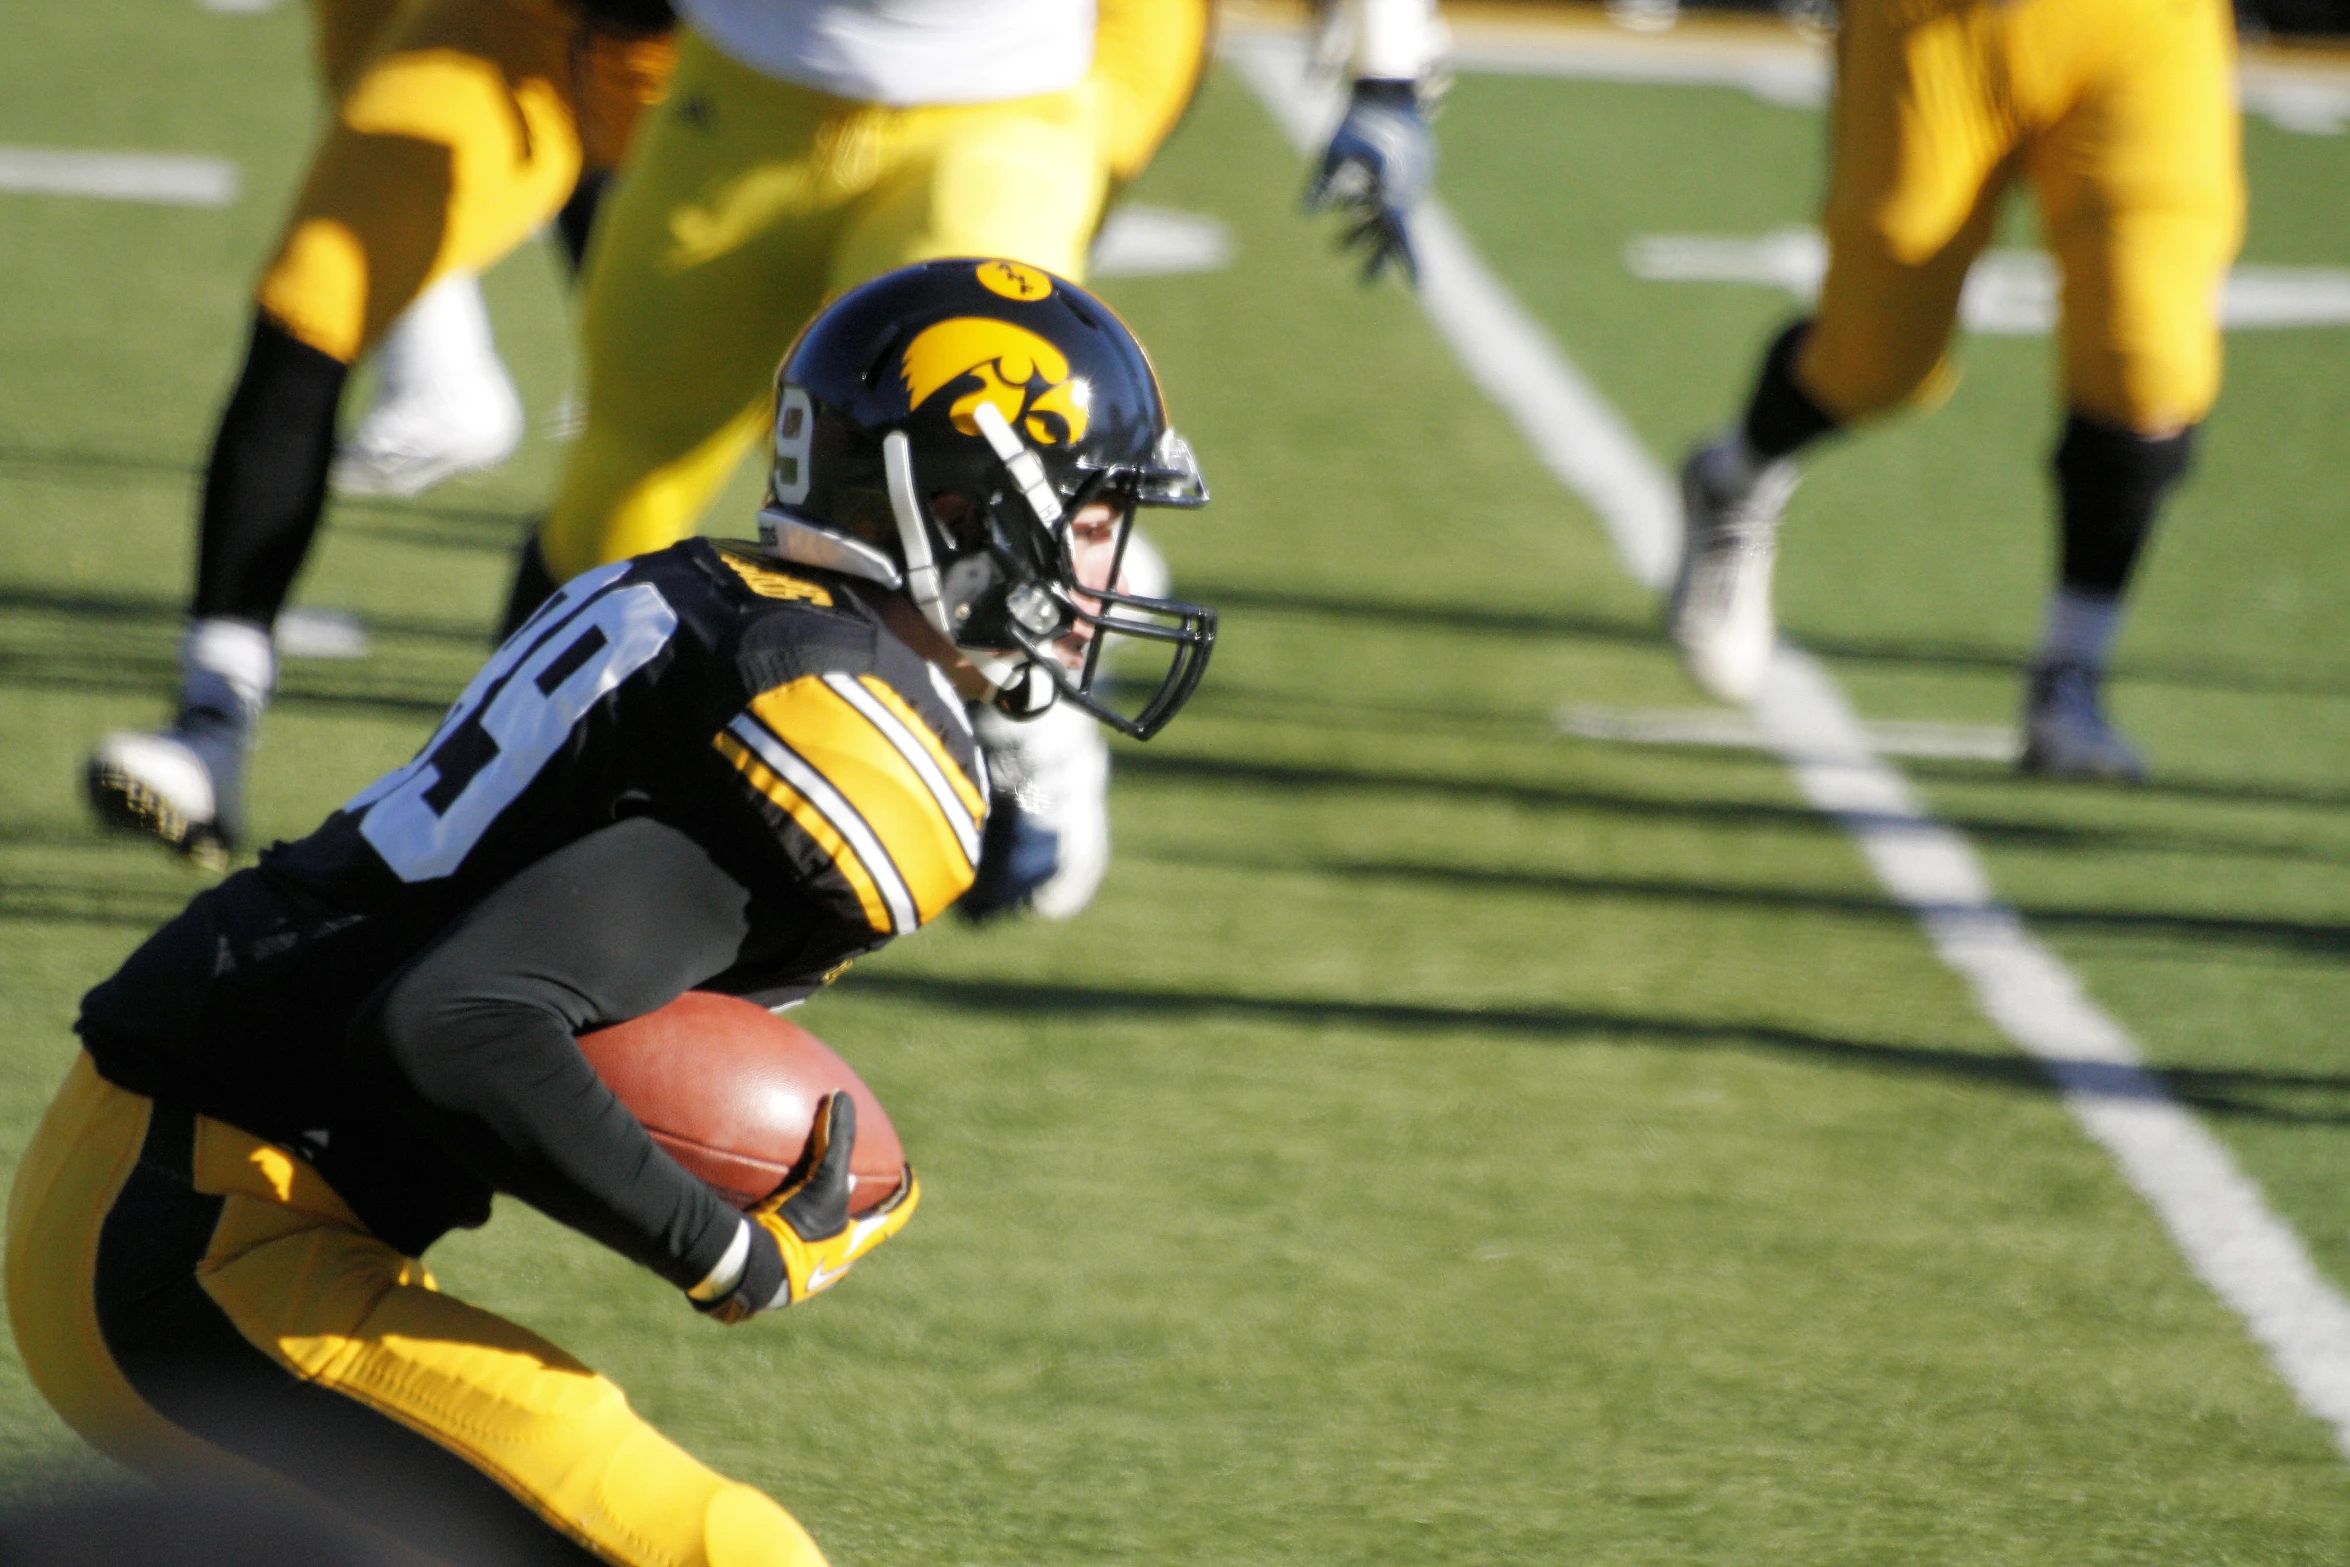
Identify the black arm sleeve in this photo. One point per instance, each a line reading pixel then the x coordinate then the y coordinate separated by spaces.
pixel 472 1040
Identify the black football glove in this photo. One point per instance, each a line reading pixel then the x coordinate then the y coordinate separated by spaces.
pixel 801 1238
pixel 1379 165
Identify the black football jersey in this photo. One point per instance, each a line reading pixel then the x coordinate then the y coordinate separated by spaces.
pixel 767 714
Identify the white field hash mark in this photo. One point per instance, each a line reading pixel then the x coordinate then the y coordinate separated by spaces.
pixel 2251 1258
pixel 1158 242
pixel 2008 293
pixel 169 179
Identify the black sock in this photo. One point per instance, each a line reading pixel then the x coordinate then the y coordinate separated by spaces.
pixel 533 586
pixel 2109 484
pixel 266 485
pixel 1781 417
pixel 577 221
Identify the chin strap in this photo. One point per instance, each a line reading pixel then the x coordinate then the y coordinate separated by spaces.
pixel 1011 677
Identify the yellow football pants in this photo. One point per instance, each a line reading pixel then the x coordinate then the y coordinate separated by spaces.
pixel 464 130
pixel 2120 113
pixel 1149 57
pixel 193 1300
pixel 750 202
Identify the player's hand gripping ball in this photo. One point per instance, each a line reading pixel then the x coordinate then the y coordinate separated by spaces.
pixel 730 1091
pixel 756 1105
pixel 808 1217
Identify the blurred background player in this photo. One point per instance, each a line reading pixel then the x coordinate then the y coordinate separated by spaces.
pixel 807 145
pixel 443 403
pixel 1381 159
pixel 2122 115
pixel 714 767
pixel 465 126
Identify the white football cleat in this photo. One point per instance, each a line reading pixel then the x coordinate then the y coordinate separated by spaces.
pixel 2065 730
pixel 1721 617
pixel 1048 818
pixel 444 404
pixel 182 786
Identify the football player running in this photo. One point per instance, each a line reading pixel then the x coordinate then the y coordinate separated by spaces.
pixel 807 145
pixel 728 767
pixel 443 401
pixel 2122 115
pixel 465 126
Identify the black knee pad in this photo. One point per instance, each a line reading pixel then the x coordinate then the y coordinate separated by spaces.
pixel 2110 483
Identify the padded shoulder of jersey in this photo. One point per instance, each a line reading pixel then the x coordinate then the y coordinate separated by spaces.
pixel 854 745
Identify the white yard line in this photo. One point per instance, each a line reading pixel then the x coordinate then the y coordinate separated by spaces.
pixel 2230 1236
pixel 171 179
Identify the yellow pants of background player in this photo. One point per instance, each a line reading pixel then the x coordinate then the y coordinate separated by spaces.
pixel 2121 114
pixel 463 131
pixel 750 202
pixel 193 1300
pixel 1148 59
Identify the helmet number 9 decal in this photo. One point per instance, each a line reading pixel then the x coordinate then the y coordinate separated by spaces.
pixel 795 434
pixel 424 818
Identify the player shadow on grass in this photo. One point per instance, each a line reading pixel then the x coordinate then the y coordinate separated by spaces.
pixel 86 903
pixel 166 615
pixel 405 519
pixel 127 642
pixel 2162 786
pixel 377 688
pixel 1387 614
pixel 2246 1093
pixel 2003 661
pixel 1791 816
pixel 2295 937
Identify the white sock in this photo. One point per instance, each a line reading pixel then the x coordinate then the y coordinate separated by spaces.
pixel 445 335
pixel 2080 628
pixel 228 666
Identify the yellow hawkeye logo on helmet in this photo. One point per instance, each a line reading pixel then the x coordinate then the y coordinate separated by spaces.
pixel 1023 374
pixel 1014 281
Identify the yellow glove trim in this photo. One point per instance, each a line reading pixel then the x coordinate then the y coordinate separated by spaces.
pixel 812 1266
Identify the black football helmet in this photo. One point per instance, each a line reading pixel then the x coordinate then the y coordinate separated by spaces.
pixel 937 429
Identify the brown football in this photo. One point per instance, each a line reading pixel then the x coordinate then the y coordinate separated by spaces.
pixel 728 1090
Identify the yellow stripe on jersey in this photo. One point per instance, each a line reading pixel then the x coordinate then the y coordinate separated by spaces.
pixel 873 794
pixel 925 765
pixel 965 790
pixel 767 582
pixel 811 821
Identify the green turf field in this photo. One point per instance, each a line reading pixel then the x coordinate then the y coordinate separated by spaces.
pixel 1444 1141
